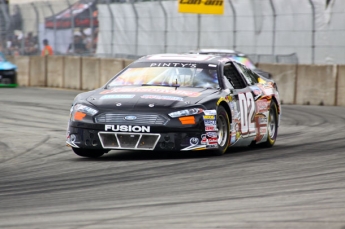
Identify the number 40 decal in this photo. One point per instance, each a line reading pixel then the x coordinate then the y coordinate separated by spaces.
pixel 247 106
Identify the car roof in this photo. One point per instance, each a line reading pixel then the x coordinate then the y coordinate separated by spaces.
pixel 186 58
pixel 219 51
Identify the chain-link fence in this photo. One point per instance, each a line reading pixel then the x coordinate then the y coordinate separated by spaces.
pixel 270 31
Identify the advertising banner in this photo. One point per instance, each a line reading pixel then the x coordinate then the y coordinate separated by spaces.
pixel 201 6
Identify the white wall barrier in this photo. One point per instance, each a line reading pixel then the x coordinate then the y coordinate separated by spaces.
pixel 285 76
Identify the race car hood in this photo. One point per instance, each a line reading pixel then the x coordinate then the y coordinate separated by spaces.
pixel 144 97
pixel 5 65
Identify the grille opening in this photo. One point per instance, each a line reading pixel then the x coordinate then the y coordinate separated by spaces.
pixel 141 119
pixel 109 140
pixel 148 141
pixel 135 141
pixel 128 140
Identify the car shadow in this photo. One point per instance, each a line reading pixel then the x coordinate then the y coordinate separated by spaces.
pixel 124 155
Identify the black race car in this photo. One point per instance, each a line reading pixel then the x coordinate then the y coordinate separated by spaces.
pixel 176 102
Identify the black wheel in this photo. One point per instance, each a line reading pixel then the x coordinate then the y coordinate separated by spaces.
pixel 223 126
pixel 272 126
pixel 91 153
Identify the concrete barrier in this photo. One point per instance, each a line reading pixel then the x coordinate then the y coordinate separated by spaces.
pixel 285 77
pixel 316 84
pixel 340 99
pixel 23 70
pixel 127 62
pixel 109 68
pixel 38 71
pixel 72 72
pixel 11 59
pixel 90 73
pixel 55 71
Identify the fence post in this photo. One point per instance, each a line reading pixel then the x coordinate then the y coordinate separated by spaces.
pixel 165 25
pixel 199 32
pixel 72 24
pixel 313 32
pixel 53 14
pixel 4 33
pixel 37 22
pixel 273 27
pixel 91 26
pixel 112 29
pixel 136 26
pixel 233 23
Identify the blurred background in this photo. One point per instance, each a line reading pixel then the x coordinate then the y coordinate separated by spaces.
pixel 268 31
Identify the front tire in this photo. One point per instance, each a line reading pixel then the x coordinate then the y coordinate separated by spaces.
pixel 223 126
pixel 90 153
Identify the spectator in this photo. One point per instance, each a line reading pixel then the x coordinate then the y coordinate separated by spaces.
pixel 30 45
pixel 78 45
pixel 47 49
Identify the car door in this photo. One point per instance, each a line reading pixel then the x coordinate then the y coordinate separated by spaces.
pixel 243 109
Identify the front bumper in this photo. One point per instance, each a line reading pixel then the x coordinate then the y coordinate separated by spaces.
pixel 8 78
pixel 189 139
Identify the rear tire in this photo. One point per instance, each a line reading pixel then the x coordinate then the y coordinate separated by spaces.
pixel 272 126
pixel 223 126
pixel 90 153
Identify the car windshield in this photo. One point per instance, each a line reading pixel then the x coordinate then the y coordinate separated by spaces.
pixel 170 75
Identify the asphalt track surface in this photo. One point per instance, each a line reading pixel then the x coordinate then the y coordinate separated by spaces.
pixel 299 183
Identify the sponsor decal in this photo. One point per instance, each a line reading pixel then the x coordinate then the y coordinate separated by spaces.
pixel 262 105
pixel 210 123
pixel 261 125
pixel 162 97
pixel 210 112
pixel 256 91
pixel 183 65
pixel 212 134
pixel 127 128
pixel 211 117
pixel 263 120
pixel 153 90
pixel 212 141
pixel 210 128
pixel 211 146
pixel 203 139
pixel 263 130
pixel 120 96
pixel 194 141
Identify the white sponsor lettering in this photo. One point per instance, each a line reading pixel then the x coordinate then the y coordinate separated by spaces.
pixel 127 128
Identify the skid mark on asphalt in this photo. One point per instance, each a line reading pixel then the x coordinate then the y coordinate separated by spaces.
pixel 28 150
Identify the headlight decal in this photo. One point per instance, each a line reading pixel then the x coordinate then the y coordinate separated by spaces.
pixel 78 116
pixel 187 120
pixel 79 112
pixel 186 112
